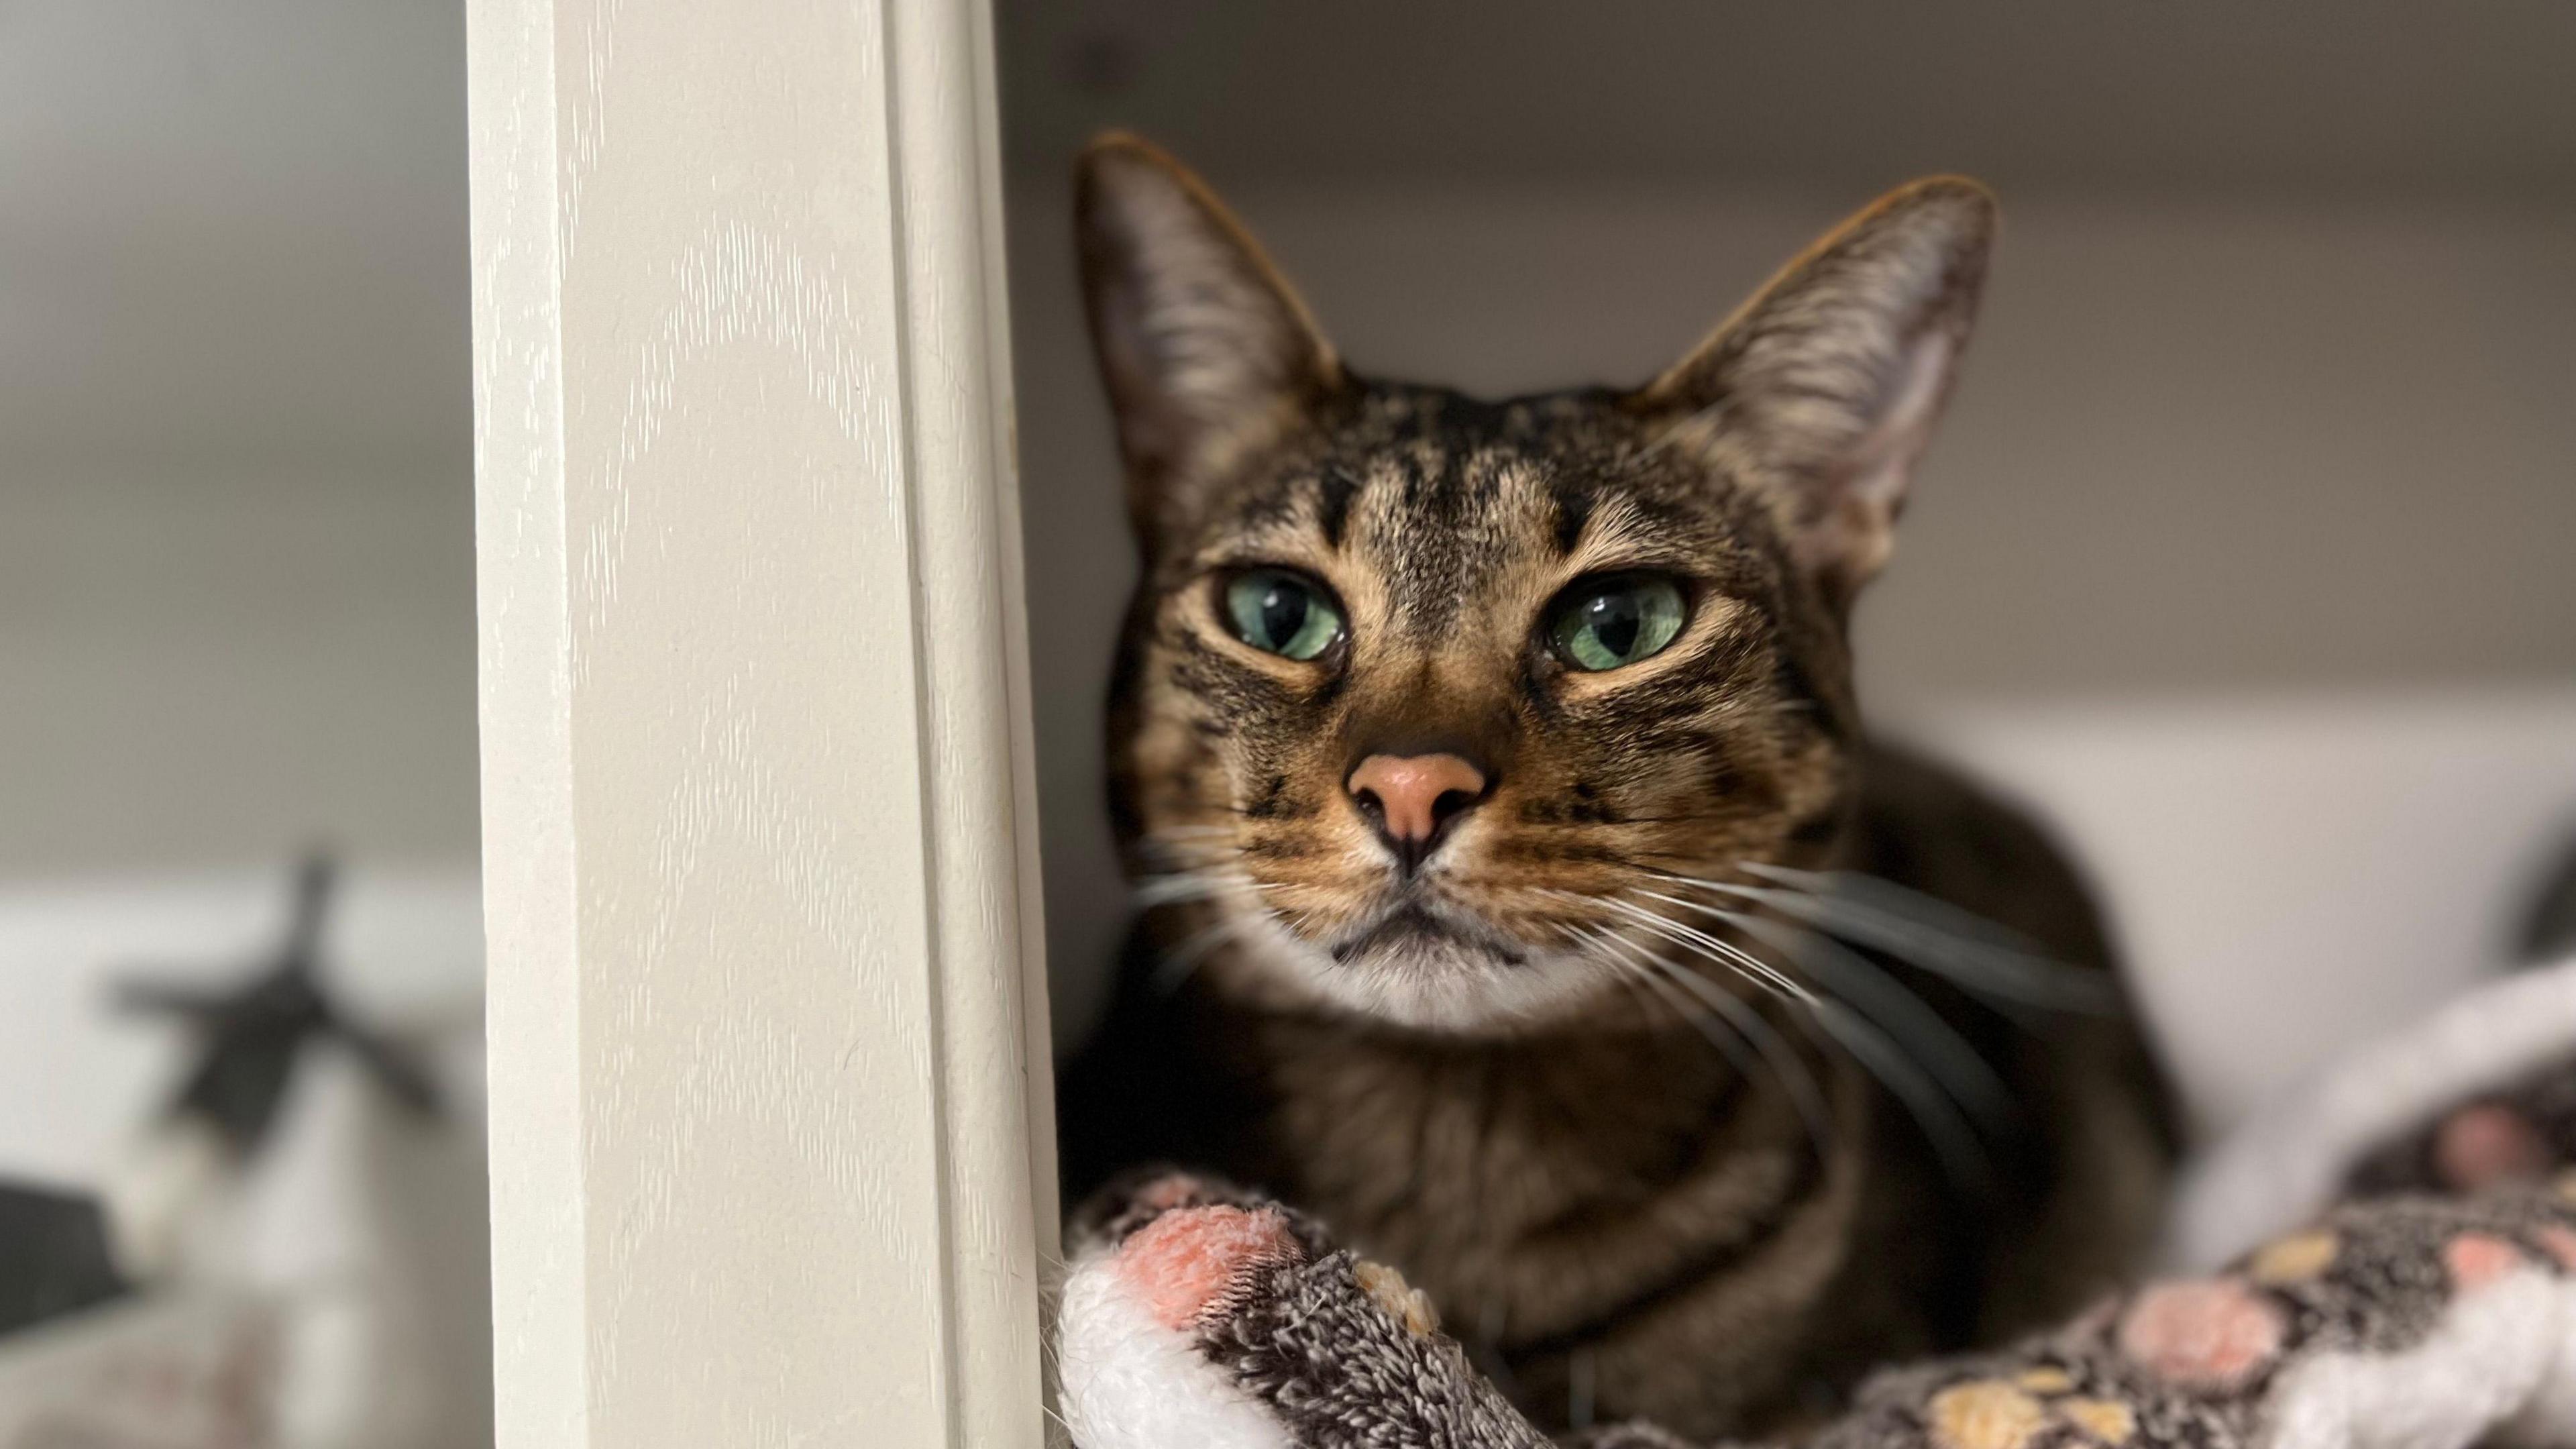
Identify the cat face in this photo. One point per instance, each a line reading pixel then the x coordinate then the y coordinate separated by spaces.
pixel 1426 703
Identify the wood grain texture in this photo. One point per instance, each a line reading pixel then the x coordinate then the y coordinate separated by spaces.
pixel 769 1154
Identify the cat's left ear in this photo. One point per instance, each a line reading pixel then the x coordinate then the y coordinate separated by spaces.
pixel 1206 349
pixel 1824 388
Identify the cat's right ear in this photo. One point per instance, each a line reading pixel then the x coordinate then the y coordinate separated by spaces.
pixel 1206 351
pixel 1822 391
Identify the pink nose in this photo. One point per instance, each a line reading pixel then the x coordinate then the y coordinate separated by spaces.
pixel 1412 796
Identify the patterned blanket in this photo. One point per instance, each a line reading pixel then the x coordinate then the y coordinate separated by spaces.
pixel 2403 1274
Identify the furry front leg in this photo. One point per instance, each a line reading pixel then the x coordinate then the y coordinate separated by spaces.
pixel 1199 1317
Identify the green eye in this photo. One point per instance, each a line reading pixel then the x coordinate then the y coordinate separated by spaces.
pixel 1606 623
pixel 1277 611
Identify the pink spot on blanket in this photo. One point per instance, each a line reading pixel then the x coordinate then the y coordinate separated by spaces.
pixel 2478 1259
pixel 2483 1145
pixel 2206 1333
pixel 1188 1262
pixel 2561 1243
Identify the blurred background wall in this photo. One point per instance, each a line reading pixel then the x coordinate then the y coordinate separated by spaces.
pixel 236 515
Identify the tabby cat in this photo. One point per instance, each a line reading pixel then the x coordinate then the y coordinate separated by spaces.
pixel 1491 775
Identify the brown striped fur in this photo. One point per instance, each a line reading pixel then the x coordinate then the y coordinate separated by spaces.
pixel 1448 1065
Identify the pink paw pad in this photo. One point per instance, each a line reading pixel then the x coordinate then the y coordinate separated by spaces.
pixel 2475 1260
pixel 1188 1262
pixel 2208 1333
pixel 2486 1144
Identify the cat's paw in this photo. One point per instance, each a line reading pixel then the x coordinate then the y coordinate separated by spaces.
pixel 1162 1263
pixel 1196 1314
pixel 1136 1198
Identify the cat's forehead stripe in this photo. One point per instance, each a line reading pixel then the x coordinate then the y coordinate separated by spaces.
pixel 1441 524
pixel 1574 499
pixel 1334 490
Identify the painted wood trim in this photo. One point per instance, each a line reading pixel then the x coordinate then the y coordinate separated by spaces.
pixel 771 1134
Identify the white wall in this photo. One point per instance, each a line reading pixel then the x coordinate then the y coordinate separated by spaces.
pixel 236 516
pixel 2205 450
pixel 225 665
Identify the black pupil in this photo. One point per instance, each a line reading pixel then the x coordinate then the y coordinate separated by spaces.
pixel 1283 612
pixel 1614 621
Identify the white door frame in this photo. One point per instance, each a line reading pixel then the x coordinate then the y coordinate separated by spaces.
pixel 772 1144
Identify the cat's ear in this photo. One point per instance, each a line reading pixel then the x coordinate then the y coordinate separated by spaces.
pixel 1825 386
pixel 1205 349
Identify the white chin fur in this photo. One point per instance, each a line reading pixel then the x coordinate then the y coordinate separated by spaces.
pixel 1444 986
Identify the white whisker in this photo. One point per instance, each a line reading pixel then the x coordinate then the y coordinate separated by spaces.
pixel 1728 1041
pixel 1931 912
pixel 1993 971
pixel 1727 952
pixel 1934 1099
pixel 1914 1027
pixel 1177 963
pixel 1952 1139
pixel 1187 885
pixel 1794 1077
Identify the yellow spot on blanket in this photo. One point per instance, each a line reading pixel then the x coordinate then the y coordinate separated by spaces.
pixel 2107 1422
pixel 1985 1414
pixel 1402 1301
pixel 2294 1259
pixel 2044 1380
